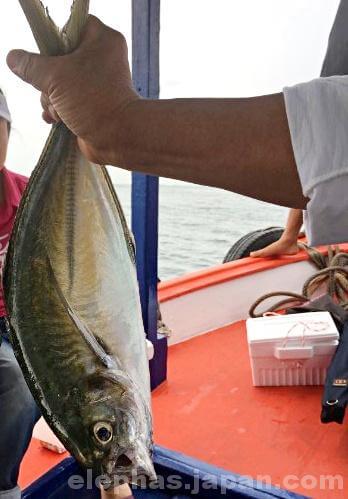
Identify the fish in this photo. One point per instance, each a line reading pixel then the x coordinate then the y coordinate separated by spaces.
pixel 72 296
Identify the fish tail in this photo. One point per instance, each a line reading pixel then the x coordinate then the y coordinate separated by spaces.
pixel 45 31
pixel 76 23
pixel 49 39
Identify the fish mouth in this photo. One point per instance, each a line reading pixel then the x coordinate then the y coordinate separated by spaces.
pixel 128 468
pixel 123 461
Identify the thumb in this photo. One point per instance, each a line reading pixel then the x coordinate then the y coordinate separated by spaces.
pixel 32 68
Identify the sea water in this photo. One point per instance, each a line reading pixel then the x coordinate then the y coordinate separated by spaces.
pixel 198 225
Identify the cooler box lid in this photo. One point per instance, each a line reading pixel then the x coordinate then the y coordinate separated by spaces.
pixel 292 330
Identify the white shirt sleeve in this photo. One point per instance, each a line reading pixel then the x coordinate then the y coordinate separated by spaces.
pixel 317 114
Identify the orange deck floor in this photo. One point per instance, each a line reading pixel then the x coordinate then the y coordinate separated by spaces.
pixel 209 409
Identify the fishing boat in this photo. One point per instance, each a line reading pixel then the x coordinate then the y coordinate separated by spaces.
pixel 215 432
pixel 211 423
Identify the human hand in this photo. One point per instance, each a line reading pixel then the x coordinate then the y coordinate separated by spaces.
pixel 88 89
pixel 281 247
pixel 120 492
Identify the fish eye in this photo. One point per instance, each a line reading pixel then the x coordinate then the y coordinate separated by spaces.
pixel 103 432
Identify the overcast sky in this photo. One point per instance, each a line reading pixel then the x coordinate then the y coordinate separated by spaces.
pixel 209 48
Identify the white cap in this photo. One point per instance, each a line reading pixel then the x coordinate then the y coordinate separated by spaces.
pixel 4 110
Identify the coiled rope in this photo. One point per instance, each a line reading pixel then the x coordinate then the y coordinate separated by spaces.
pixel 333 272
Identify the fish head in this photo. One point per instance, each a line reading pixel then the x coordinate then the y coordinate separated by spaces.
pixel 119 429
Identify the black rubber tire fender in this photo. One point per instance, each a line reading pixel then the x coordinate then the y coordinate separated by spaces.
pixel 253 241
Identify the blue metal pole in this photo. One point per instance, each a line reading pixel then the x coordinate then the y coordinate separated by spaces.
pixel 145 29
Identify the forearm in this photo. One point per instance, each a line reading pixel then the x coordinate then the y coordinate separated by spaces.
pixel 242 145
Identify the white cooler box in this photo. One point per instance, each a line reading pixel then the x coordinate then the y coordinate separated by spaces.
pixel 295 349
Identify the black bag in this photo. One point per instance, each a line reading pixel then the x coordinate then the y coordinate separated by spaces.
pixel 335 397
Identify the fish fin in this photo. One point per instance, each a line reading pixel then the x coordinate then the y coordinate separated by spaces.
pixel 134 246
pixel 127 233
pixel 102 343
pixel 92 341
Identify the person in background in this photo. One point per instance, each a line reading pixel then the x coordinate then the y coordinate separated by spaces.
pixel 18 411
pixel 287 243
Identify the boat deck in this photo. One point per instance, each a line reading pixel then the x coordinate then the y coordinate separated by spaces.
pixel 209 410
